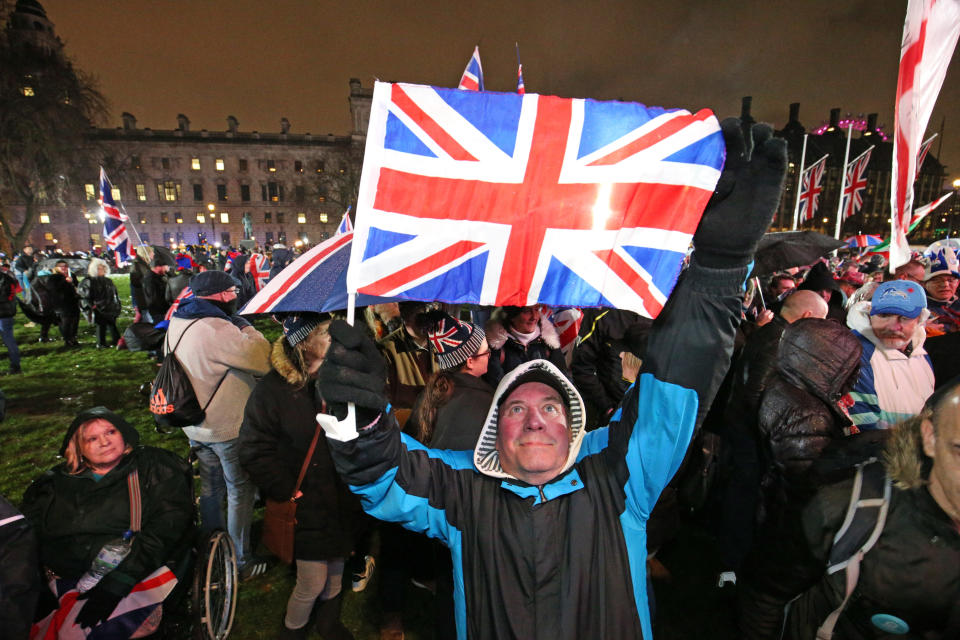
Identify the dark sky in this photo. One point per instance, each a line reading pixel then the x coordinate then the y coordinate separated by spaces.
pixel 263 60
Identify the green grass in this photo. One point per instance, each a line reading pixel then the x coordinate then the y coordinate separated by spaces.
pixel 57 383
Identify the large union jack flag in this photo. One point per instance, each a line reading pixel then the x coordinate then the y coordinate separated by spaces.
pixel 854 183
pixel 114 222
pixel 811 189
pixel 507 199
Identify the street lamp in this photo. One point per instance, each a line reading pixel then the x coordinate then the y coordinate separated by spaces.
pixel 213 223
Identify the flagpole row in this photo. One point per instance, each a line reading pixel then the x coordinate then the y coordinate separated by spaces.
pixel 843 183
pixel 796 203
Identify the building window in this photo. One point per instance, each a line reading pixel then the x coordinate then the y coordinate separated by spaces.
pixel 145 237
pixel 115 192
pixel 224 217
pixel 200 217
pixel 273 192
pixel 300 193
pixel 44 218
pixel 179 218
pixel 319 166
pixel 143 219
pixel 301 218
pixel 298 166
pixel 168 191
pixel 167 238
pixel 142 193
pixel 164 217
pixel 243 164
pixel 303 237
pixel 135 162
pixel 27 91
pixel 279 217
pixel 269 237
pixel 219 164
pixel 272 166
pixel 198 192
pixel 245 192
pixel 323 218
pixel 267 217
pixel 89 191
pixel 48 236
pixel 195 164
pixel 165 163
pixel 221 192
pixel 263 191
pixel 225 238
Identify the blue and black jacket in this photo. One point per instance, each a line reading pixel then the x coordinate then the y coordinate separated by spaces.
pixel 567 559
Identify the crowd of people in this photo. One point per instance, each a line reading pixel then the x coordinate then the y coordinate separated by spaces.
pixel 528 478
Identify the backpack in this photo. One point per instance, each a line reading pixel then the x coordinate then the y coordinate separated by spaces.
pixel 173 402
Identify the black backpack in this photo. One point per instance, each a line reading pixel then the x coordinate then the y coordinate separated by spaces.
pixel 173 402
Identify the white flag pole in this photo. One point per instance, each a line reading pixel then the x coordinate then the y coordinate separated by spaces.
pixel 796 204
pixel 843 184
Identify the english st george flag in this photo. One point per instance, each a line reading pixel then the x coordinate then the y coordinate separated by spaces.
pixel 507 199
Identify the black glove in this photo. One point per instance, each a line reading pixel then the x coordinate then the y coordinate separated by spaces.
pixel 100 603
pixel 746 197
pixel 353 371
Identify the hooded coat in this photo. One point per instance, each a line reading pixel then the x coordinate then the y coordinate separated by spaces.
pixel 278 425
pixel 75 515
pixel 508 352
pixel 799 413
pixel 912 572
pixel 892 385
pixel 566 559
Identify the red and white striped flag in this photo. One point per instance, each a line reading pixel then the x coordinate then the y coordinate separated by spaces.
pixel 929 37
pixel 924 149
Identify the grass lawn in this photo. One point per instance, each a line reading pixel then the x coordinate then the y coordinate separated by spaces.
pixel 57 383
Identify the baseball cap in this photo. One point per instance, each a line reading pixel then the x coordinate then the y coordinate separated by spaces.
pixel 899 297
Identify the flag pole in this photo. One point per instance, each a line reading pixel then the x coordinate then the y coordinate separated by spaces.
pixel 124 209
pixel 843 184
pixel 796 204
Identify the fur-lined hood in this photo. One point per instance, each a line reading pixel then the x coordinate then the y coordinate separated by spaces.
pixel 485 455
pixel 498 333
pixel 907 464
pixel 281 362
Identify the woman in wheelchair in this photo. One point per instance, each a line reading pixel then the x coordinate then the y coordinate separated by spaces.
pixel 109 484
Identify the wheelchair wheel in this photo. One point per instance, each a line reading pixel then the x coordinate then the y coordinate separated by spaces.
pixel 215 586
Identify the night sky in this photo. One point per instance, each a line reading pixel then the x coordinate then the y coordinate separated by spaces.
pixel 261 61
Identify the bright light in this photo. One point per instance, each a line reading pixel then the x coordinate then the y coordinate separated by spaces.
pixel 210 207
pixel 298 244
pixel 825 220
pixel 102 215
pixel 601 208
pixel 216 244
pixel 956 183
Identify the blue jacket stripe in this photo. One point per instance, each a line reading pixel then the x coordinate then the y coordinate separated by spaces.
pixel 386 500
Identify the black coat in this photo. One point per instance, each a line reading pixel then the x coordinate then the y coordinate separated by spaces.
pixel 8 295
pixel 53 295
pixel 799 413
pixel 138 271
pixel 19 572
pixel 278 425
pixel 155 295
pixel 99 296
pixel 751 373
pixel 460 420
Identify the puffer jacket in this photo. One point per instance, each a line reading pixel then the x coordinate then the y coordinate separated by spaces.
pixel 99 299
pixel 912 572
pixel 750 374
pixel 278 425
pixel 799 413
pixel 75 515
pixel 507 353
pixel 566 559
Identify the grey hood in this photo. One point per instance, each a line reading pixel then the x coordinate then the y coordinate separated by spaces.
pixel 485 455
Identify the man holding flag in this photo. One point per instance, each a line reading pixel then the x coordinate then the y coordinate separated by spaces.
pixel 546 523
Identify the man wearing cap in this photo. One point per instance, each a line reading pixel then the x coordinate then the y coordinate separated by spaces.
pixel 896 376
pixel 940 282
pixel 546 523
pixel 221 354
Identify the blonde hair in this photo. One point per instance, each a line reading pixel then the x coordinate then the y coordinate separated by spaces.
pixel 76 464
pixel 95 264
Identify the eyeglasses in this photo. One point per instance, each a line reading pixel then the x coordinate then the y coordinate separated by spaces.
pixel 480 355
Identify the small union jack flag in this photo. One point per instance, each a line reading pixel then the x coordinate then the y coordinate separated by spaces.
pixel 810 189
pixel 345 225
pixel 504 199
pixel 472 78
pixel 855 181
pixel 259 269
pixel 443 336
pixel 114 222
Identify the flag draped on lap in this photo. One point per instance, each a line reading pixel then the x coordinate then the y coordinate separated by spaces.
pixel 929 37
pixel 506 199
pixel 137 611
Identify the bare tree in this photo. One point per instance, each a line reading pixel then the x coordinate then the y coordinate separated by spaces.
pixel 339 185
pixel 47 109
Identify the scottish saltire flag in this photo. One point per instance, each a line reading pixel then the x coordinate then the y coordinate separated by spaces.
pixel 930 33
pixel 924 150
pixel 260 270
pixel 139 610
pixel 114 222
pixel 855 183
pixel 811 188
pixel 472 78
pixel 345 225
pixel 506 199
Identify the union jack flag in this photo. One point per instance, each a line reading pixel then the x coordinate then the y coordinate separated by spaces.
pixel 810 188
pixel 443 336
pixel 567 322
pixel 345 225
pixel 185 293
pixel 260 270
pixel 855 181
pixel 521 89
pixel 506 199
pixel 114 222
pixel 472 78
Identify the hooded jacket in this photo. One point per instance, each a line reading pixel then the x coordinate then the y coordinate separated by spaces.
pixel 566 559
pixel 892 385
pixel 75 515
pixel 912 572
pixel 278 425
pixel 799 412
pixel 508 352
